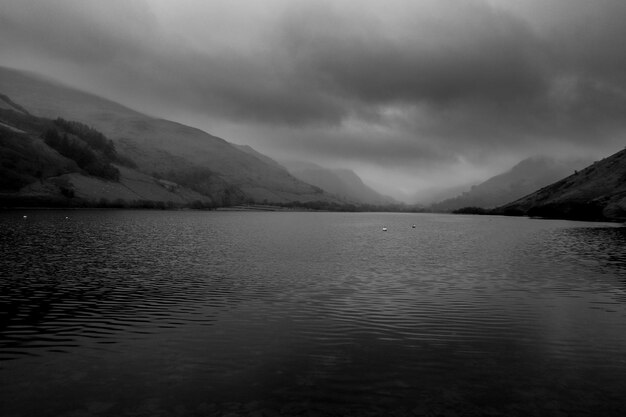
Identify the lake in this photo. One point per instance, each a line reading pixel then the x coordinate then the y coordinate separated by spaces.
pixel 192 313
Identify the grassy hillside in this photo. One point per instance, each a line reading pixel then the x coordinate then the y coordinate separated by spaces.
pixel 70 147
pixel 25 159
pixel 524 178
pixel 168 149
pixel 597 192
pixel 46 162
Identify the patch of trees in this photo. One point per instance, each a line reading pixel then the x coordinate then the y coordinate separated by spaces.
pixel 509 211
pixel 148 204
pixel 94 139
pixel 471 210
pixel 16 200
pixel 90 149
pixel 80 152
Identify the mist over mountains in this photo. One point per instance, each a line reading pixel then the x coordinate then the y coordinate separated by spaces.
pixel 524 178
pixel 413 96
pixel 62 146
pixel 166 162
pixel 344 183
pixel 160 149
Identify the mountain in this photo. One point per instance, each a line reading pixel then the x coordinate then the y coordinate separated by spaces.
pixel 160 148
pixel 343 183
pixel 46 162
pixel 597 192
pixel 433 195
pixel 250 150
pixel 524 178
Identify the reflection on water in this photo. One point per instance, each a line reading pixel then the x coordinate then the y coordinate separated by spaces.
pixel 198 313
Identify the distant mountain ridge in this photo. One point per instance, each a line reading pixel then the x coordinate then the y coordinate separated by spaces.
pixel 161 148
pixel 343 183
pixel 527 176
pixel 597 192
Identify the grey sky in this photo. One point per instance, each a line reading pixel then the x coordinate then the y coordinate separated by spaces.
pixel 411 94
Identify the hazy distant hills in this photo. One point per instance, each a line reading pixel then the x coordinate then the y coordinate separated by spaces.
pixel 597 192
pixel 524 178
pixel 344 183
pixel 163 149
pixel 429 196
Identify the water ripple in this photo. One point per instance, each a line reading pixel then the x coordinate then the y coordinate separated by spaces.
pixel 309 308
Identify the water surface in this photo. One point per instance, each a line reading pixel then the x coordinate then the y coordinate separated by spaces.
pixel 133 313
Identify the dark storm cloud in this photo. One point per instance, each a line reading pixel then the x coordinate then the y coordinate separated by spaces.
pixel 483 77
pixel 320 69
pixel 320 64
pixel 326 65
pixel 379 148
pixel 123 43
pixel 78 31
pixel 487 55
pixel 424 82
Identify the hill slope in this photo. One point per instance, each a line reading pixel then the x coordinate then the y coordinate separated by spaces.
pixel 47 162
pixel 597 192
pixel 344 183
pixel 160 147
pixel 524 178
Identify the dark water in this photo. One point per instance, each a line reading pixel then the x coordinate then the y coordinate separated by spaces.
pixel 146 313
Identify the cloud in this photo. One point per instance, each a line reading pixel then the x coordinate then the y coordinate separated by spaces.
pixel 490 56
pixel 397 83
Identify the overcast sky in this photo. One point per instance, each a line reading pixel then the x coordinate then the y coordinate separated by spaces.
pixel 412 95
